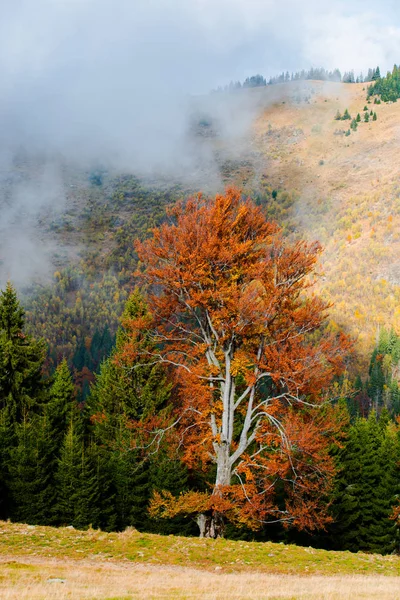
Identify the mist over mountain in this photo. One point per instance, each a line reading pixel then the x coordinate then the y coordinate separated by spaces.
pixel 124 87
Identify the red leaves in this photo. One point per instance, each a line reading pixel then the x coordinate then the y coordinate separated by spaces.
pixel 229 310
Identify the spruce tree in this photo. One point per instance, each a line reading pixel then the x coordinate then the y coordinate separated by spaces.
pixel 365 488
pixel 125 394
pixel 132 488
pixel 61 403
pixel 76 480
pixel 22 393
pixel 125 391
pixel 168 472
pixel 7 441
pixel 21 360
pixel 30 468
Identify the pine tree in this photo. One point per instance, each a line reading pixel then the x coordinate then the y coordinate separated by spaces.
pixel 125 393
pixel 167 472
pixel 60 404
pixel 21 360
pixel 30 468
pixel 358 118
pixel 353 125
pixel 365 488
pixel 77 481
pixel 132 488
pixel 22 393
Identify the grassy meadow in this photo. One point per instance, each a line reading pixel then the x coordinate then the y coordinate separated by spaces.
pixel 48 563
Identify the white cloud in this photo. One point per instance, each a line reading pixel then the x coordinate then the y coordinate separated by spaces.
pixel 111 75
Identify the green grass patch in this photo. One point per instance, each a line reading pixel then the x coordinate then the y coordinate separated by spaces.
pixel 17 540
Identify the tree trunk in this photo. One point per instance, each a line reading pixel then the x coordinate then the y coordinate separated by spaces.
pixel 223 477
pixel 211 525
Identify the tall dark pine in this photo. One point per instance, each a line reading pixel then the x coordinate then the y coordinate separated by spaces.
pixel 31 471
pixel 366 488
pixel 22 392
pixel 60 404
pixel 21 360
pixel 123 394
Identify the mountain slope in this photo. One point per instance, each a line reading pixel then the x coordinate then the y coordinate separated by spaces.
pixel 348 195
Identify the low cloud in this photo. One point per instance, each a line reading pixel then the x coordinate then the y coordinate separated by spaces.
pixel 117 82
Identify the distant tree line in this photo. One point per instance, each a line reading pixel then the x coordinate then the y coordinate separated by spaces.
pixel 316 74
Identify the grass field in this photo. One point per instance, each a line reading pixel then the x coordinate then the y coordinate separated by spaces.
pixel 47 563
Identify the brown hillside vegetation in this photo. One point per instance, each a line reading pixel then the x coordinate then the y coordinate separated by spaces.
pixel 348 194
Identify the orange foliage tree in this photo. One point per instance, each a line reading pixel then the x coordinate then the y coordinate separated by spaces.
pixel 229 310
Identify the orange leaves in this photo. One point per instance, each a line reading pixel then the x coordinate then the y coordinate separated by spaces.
pixel 230 312
pixel 165 505
pixel 396 514
pixel 241 363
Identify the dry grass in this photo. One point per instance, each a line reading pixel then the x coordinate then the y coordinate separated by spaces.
pixel 32 580
pixel 349 196
pixel 130 565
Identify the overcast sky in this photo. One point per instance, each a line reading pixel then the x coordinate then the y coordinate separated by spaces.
pixel 104 74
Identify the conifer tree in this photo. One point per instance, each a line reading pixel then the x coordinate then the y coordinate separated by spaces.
pixel 123 394
pixel 77 480
pixel 365 488
pixel 7 441
pixel 60 404
pixel 167 472
pixel 22 392
pixel 123 391
pixel 353 125
pixel 21 360
pixel 30 468
pixel 132 488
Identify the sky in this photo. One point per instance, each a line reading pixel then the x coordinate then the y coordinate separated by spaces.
pixel 110 82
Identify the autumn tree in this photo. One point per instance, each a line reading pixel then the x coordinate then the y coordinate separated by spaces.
pixel 229 309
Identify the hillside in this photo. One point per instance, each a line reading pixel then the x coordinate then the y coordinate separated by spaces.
pixel 69 231
pixel 43 562
pixel 347 196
